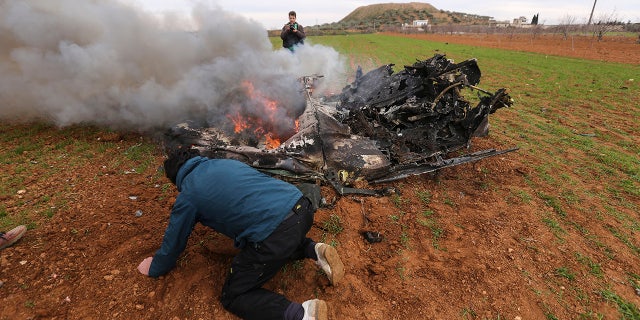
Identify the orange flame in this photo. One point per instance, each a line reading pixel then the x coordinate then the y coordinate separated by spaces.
pixel 271 143
pixel 261 127
pixel 239 123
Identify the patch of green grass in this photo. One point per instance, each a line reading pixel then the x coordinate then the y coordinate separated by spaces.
pixel 166 187
pixel 591 315
pixel 140 151
pixel 594 268
pixel 551 316
pixel 430 221
pixel 570 197
pixel 582 296
pixel 5 158
pixel 614 158
pixel 82 148
pixel 522 195
pixel 449 202
pixel 398 201
pixel 553 203
pixel 437 233
pixel 627 309
pixel 618 198
pixel 634 280
pixel 427 222
pixel 61 144
pixel 579 227
pixel 105 147
pixel 401 270
pixel 404 238
pixel 629 222
pixel 555 227
pixel 468 313
pixel 27 146
pixel 333 225
pixel 424 196
pixel 630 186
pixel 49 212
pixel 5 220
pixel 625 239
pixel 565 273
pixel 292 269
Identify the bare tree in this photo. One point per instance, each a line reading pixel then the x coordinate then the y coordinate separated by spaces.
pixel 511 32
pixel 536 30
pixel 566 25
pixel 605 24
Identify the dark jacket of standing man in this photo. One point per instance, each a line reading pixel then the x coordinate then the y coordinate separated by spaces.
pixel 292 33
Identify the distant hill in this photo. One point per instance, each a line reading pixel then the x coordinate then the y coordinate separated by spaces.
pixel 390 16
pixel 385 11
pixel 395 14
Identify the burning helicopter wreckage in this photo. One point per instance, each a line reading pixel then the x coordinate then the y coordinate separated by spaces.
pixel 382 127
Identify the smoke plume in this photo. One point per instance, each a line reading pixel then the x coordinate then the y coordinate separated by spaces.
pixel 106 63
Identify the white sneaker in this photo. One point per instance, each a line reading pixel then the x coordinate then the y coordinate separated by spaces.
pixel 315 309
pixel 329 262
pixel 12 236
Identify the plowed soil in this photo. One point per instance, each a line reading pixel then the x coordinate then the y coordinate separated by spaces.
pixel 622 49
pixel 455 244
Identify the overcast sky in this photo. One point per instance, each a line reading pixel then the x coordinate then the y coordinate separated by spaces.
pixel 273 14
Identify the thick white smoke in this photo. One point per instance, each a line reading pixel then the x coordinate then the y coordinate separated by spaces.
pixel 103 62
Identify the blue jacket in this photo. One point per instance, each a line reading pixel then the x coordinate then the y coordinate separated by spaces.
pixel 227 196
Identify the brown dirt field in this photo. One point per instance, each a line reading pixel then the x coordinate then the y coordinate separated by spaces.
pixel 491 259
pixel 610 48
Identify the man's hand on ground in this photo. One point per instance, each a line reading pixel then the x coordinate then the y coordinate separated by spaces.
pixel 145 265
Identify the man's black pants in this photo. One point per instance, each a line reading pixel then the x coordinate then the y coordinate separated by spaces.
pixel 257 263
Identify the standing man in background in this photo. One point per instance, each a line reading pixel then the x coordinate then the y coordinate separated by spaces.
pixel 292 33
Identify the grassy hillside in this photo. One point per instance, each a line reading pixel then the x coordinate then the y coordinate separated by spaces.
pixel 399 13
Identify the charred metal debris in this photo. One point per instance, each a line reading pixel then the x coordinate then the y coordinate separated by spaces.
pixel 382 127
